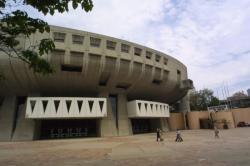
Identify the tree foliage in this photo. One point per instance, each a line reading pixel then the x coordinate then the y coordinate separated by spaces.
pixel 200 100
pixel 17 23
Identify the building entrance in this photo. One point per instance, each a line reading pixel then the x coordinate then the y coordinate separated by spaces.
pixel 68 128
pixel 145 125
pixel 140 126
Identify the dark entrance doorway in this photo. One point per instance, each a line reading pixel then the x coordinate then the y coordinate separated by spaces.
pixel 147 125
pixel 68 128
pixel 206 124
pixel 141 126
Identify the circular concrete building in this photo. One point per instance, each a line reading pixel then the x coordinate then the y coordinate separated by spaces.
pixel 102 86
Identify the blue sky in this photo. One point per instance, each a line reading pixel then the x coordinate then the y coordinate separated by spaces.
pixel 211 37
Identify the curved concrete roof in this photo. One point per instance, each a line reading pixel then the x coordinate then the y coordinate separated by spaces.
pixel 88 64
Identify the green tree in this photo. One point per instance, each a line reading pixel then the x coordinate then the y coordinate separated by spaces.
pixel 214 101
pixel 200 100
pixel 15 22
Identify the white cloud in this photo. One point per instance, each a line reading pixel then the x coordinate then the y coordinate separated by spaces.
pixel 210 37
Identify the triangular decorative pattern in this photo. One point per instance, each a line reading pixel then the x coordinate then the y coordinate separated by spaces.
pixel 68 104
pixel 45 103
pixel 56 102
pixel 101 103
pixel 146 106
pixel 79 104
pixel 65 107
pixel 147 109
pixel 91 103
pixel 32 105
pixel 139 105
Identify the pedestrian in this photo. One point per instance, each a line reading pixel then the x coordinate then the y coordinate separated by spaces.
pixel 178 136
pixel 216 132
pixel 158 134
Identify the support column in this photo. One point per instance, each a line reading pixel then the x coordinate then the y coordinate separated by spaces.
pixel 25 128
pixel 164 124
pixel 185 104
pixel 7 114
pixel 107 124
pixel 185 107
pixel 124 123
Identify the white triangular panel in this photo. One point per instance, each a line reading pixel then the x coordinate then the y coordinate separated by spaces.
pixel 98 109
pixel 87 112
pixel 101 108
pixel 166 110
pixel 143 109
pixel 53 108
pixel 49 112
pixel 148 111
pixel 63 112
pixel 138 106
pixel 56 110
pixel 60 110
pixel 154 110
pixel 95 109
pixel 73 111
pixel 28 109
pixel 104 110
pixel 161 108
pixel 158 110
pixel 38 111
pixel 83 109
pixel 137 111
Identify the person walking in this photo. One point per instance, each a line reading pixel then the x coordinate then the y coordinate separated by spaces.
pixel 178 136
pixel 216 132
pixel 158 134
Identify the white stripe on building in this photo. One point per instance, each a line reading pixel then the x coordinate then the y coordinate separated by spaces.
pixel 143 109
pixel 65 107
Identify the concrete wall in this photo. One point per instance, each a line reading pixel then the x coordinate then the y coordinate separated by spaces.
pixel 7 114
pixel 223 115
pixel 194 118
pixel 233 117
pixel 241 115
pixel 176 121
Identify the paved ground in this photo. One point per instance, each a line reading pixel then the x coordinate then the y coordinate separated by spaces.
pixel 199 148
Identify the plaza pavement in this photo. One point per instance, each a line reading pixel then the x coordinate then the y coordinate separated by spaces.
pixel 199 148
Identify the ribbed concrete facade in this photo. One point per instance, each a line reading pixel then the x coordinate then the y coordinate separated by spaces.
pixel 90 66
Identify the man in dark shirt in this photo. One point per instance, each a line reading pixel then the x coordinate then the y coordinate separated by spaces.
pixel 157 134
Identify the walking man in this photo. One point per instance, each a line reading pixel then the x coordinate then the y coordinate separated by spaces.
pixel 157 134
pixel 216 132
